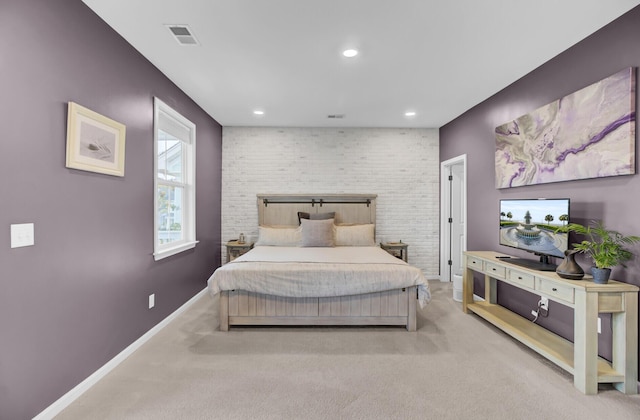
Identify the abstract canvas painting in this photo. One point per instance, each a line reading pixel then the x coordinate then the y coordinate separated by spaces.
pixel 587 134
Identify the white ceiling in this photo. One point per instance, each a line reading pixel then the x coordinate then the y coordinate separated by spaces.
pixel 437 58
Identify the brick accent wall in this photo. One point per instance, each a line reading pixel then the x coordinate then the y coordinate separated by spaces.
pixel 401 166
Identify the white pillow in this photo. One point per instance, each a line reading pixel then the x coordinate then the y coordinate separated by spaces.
pixel 355 235
pixel 317 233
pixel 278 236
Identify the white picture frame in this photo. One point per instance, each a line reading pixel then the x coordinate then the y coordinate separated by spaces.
pixel 95 143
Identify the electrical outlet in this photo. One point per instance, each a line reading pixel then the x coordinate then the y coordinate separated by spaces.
pixel 544 303
pixel 152 300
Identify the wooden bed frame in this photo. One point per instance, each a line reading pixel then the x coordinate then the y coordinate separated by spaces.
pixel 393 307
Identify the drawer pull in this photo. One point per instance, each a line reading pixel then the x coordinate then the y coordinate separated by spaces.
pixel 554 289
pixel 519 278
pixel 493 269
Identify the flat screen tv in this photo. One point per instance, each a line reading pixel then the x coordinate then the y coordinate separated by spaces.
pixel 530 224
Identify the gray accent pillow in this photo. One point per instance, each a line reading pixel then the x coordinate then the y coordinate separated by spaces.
pixel 317 233
pixel 315 216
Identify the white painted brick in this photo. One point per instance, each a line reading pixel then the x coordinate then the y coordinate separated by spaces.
pixel 401 166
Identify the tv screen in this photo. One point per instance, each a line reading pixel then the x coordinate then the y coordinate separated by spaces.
pixel 529 225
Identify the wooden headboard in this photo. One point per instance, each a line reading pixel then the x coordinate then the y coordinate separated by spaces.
pixel 282 209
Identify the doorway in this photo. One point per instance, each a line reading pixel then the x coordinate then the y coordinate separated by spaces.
pixel 453 216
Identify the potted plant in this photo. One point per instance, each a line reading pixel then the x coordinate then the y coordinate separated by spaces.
pixel 605 247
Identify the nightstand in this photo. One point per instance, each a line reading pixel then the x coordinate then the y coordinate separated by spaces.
pixel 235 249
pixel 397 249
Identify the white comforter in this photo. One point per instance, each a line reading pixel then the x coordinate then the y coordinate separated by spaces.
pixel 318 272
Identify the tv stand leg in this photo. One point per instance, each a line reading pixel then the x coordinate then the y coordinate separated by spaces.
pixel 585 351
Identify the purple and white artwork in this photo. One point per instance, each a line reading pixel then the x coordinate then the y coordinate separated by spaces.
pixel 587 134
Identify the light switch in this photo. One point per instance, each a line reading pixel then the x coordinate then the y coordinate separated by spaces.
pixel 22 235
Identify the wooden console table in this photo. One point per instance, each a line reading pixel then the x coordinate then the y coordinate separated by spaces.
pixel 587 299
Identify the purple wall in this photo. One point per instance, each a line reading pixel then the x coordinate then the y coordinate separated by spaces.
pixel 78 297
pixel 614 200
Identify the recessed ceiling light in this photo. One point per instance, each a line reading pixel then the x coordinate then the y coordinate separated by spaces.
pixel 258 112
pixel 410 114
pixel 350 53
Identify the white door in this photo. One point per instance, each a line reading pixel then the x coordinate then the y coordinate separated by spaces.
pixel 453 215
pixel 457 215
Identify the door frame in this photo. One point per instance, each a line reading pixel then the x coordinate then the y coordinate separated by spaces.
pixel 445 211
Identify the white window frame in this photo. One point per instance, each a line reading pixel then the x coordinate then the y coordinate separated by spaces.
pixel 160 251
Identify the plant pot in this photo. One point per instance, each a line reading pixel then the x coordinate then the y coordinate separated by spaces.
pixel 569 268
pixel 601 275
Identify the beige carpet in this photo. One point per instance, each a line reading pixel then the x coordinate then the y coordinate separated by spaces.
pixel 455 366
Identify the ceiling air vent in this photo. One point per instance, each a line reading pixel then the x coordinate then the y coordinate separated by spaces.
pixel 183 34
pixel 335 116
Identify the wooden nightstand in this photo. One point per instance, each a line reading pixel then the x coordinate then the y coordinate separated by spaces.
pixel 235 249
pixel 397 249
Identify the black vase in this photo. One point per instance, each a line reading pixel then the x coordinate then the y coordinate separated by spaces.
pixel 569 268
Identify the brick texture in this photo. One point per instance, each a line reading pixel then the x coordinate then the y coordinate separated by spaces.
pixel 401 166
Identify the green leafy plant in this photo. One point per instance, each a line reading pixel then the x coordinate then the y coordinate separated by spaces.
pixel 605 247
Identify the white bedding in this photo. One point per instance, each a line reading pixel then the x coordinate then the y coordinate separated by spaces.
pixel 318 272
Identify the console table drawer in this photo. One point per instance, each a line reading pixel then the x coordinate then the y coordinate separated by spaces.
pixel 524 279
pixel 475 264
pixel 495 270
pixel 556 290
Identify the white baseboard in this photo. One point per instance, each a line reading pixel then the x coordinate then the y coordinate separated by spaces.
pixel 64 401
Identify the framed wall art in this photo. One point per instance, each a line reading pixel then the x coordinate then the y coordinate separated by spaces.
pixel 95 143
pixel 590 133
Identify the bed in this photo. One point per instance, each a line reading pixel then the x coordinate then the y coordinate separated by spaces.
pixel 316 263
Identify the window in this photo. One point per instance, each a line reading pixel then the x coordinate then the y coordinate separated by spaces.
pixel 174 186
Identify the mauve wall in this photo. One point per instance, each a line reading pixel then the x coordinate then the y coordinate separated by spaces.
pixel 614 200
pixel 78 297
